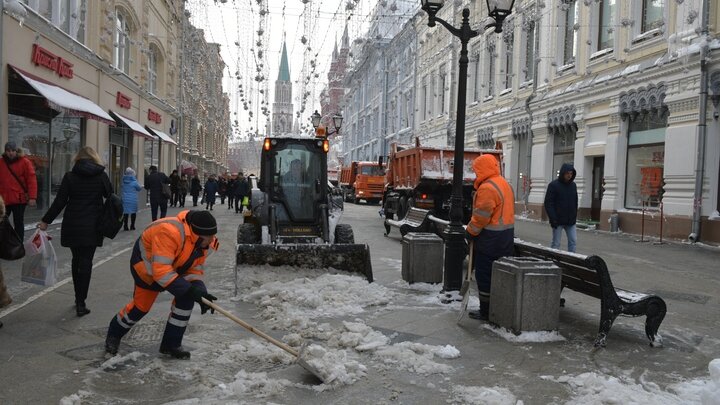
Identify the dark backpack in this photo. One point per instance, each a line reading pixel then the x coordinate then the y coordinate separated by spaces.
pixel 111 218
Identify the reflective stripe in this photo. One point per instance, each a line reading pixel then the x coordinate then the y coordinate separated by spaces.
pixel 474 228
pixel 193 277
pixel 122 323
pixel 162 259
pixel 181 312
pixel 166 279
pixel 178 323
pixel 502 202
pixel 143 256
pixel 482 213
pixel 484 296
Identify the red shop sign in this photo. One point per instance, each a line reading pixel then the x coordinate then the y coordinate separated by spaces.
pixel 43 57
pixel 154 116
pixel 123 100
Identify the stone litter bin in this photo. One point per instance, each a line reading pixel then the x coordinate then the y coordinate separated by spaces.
pixel 525 294
pixel 422 258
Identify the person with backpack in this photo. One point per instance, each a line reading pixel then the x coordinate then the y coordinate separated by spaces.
pixel 81 194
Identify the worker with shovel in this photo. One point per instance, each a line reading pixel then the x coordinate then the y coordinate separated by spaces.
pixel 168 256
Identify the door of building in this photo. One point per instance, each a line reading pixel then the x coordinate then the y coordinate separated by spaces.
pixel 597 187
pixel 120 145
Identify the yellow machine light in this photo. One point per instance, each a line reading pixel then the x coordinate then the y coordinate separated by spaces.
pixel 320 131
pixel 266 144
pixel 326 146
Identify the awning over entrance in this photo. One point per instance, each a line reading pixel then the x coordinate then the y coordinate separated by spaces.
pixel 162 135
pixel 136 128
pixel 56 98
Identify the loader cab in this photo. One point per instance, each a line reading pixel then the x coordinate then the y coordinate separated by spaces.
pixel 294 178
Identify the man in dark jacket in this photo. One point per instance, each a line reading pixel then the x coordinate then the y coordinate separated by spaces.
pixel 243 190
pixel 174 183
pixel 154 184
pixel 561 205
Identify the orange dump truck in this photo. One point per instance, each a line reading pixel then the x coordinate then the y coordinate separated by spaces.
pixel 363 181
pixel 421 176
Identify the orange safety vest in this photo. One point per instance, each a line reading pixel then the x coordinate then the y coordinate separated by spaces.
pixel 165 248
pixel 494 202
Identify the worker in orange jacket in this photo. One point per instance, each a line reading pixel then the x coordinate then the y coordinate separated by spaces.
pixel 169 256
pixel 491 227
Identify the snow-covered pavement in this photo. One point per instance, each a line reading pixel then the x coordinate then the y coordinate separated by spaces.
pixel 383 342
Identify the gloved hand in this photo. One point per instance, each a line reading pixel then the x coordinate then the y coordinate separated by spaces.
pixel 469 237
pixel 198 294
pixel 553 224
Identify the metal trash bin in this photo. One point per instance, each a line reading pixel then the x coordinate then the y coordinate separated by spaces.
pixel 422 258
pixel 525 294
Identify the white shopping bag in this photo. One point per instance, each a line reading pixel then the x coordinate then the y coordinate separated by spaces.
pixel 40 262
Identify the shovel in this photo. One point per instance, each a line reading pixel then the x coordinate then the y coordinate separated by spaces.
pixel 466 284
pixel 297 354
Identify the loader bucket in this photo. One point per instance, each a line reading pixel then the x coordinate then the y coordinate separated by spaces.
pixel 347 257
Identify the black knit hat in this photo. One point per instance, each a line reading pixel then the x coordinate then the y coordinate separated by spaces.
pixel 202 222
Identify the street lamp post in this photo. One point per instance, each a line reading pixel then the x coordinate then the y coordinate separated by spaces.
pixel 337 123
pixel 455 233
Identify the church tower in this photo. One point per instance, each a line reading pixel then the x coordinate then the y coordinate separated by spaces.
pixel 282 110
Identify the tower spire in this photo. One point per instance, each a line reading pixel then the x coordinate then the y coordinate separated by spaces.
pixel 284 74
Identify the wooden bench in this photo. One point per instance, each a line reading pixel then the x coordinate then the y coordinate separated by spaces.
pixel 416 220
pixel 589 275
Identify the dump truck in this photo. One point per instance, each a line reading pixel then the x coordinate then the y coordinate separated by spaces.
pixel 294 217
pixel 421 176
pixel 363 181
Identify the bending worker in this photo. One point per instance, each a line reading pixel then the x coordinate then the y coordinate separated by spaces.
pixel 491 227
pixel 168 256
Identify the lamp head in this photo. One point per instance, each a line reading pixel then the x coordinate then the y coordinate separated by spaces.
pixel 431 7
pixel 337 121
pixel 499 10
pixel 315 119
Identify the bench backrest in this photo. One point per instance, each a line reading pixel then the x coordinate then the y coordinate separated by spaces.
pixel 579 272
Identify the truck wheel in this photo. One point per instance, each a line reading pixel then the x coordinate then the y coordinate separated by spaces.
pixel 247 234
pixel 344 234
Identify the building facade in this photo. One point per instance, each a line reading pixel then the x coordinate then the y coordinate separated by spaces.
pixel 282 109
pixel 616 88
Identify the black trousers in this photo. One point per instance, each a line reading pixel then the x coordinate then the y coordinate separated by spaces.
pixel 154 205
pixel 18 213
pixel 81 268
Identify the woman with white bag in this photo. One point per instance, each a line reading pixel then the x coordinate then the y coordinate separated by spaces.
pixel 81 194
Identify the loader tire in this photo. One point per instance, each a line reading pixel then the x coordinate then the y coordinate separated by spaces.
pixel 344 234
pixel 247 234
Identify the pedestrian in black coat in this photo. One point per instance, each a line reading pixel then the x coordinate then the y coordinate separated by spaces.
pixel 243 190
pixel 195 189
pixel 561 206
pixel 81 194
pixel 154 184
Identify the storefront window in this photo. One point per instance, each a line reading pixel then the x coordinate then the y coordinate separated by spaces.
pixel 645 161
pixel 152 150
pixel 50 146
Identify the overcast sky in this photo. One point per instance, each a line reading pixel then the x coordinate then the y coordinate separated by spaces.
pixel 235 24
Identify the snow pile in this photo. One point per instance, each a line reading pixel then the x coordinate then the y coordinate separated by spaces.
pixel 292 305
pixel 257 384
pixel 118 360
pixel 413 357
pixel 359 336
pixel 251 349
pixel 711 394
pixel 483 395
pixel 332 366
pixel 599 388
pixel 526 337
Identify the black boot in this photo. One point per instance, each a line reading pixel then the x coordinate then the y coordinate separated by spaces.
pixel 132 221
pixel 483 314
pixel 112 344
pixel 125 219
pixel 81 309
pixel 175 352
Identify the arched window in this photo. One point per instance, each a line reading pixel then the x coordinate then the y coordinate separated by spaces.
pixel 122 43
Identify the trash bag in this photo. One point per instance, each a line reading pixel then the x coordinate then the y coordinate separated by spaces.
pixel 40 264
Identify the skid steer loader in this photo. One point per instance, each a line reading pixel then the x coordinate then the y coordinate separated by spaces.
pixel 294 214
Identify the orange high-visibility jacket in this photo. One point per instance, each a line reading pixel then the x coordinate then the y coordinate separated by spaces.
pixel 494 202
pixel 167 253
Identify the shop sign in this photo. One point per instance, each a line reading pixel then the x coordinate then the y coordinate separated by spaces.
pixel 123 100
pixel 154 116
pixel 43 57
